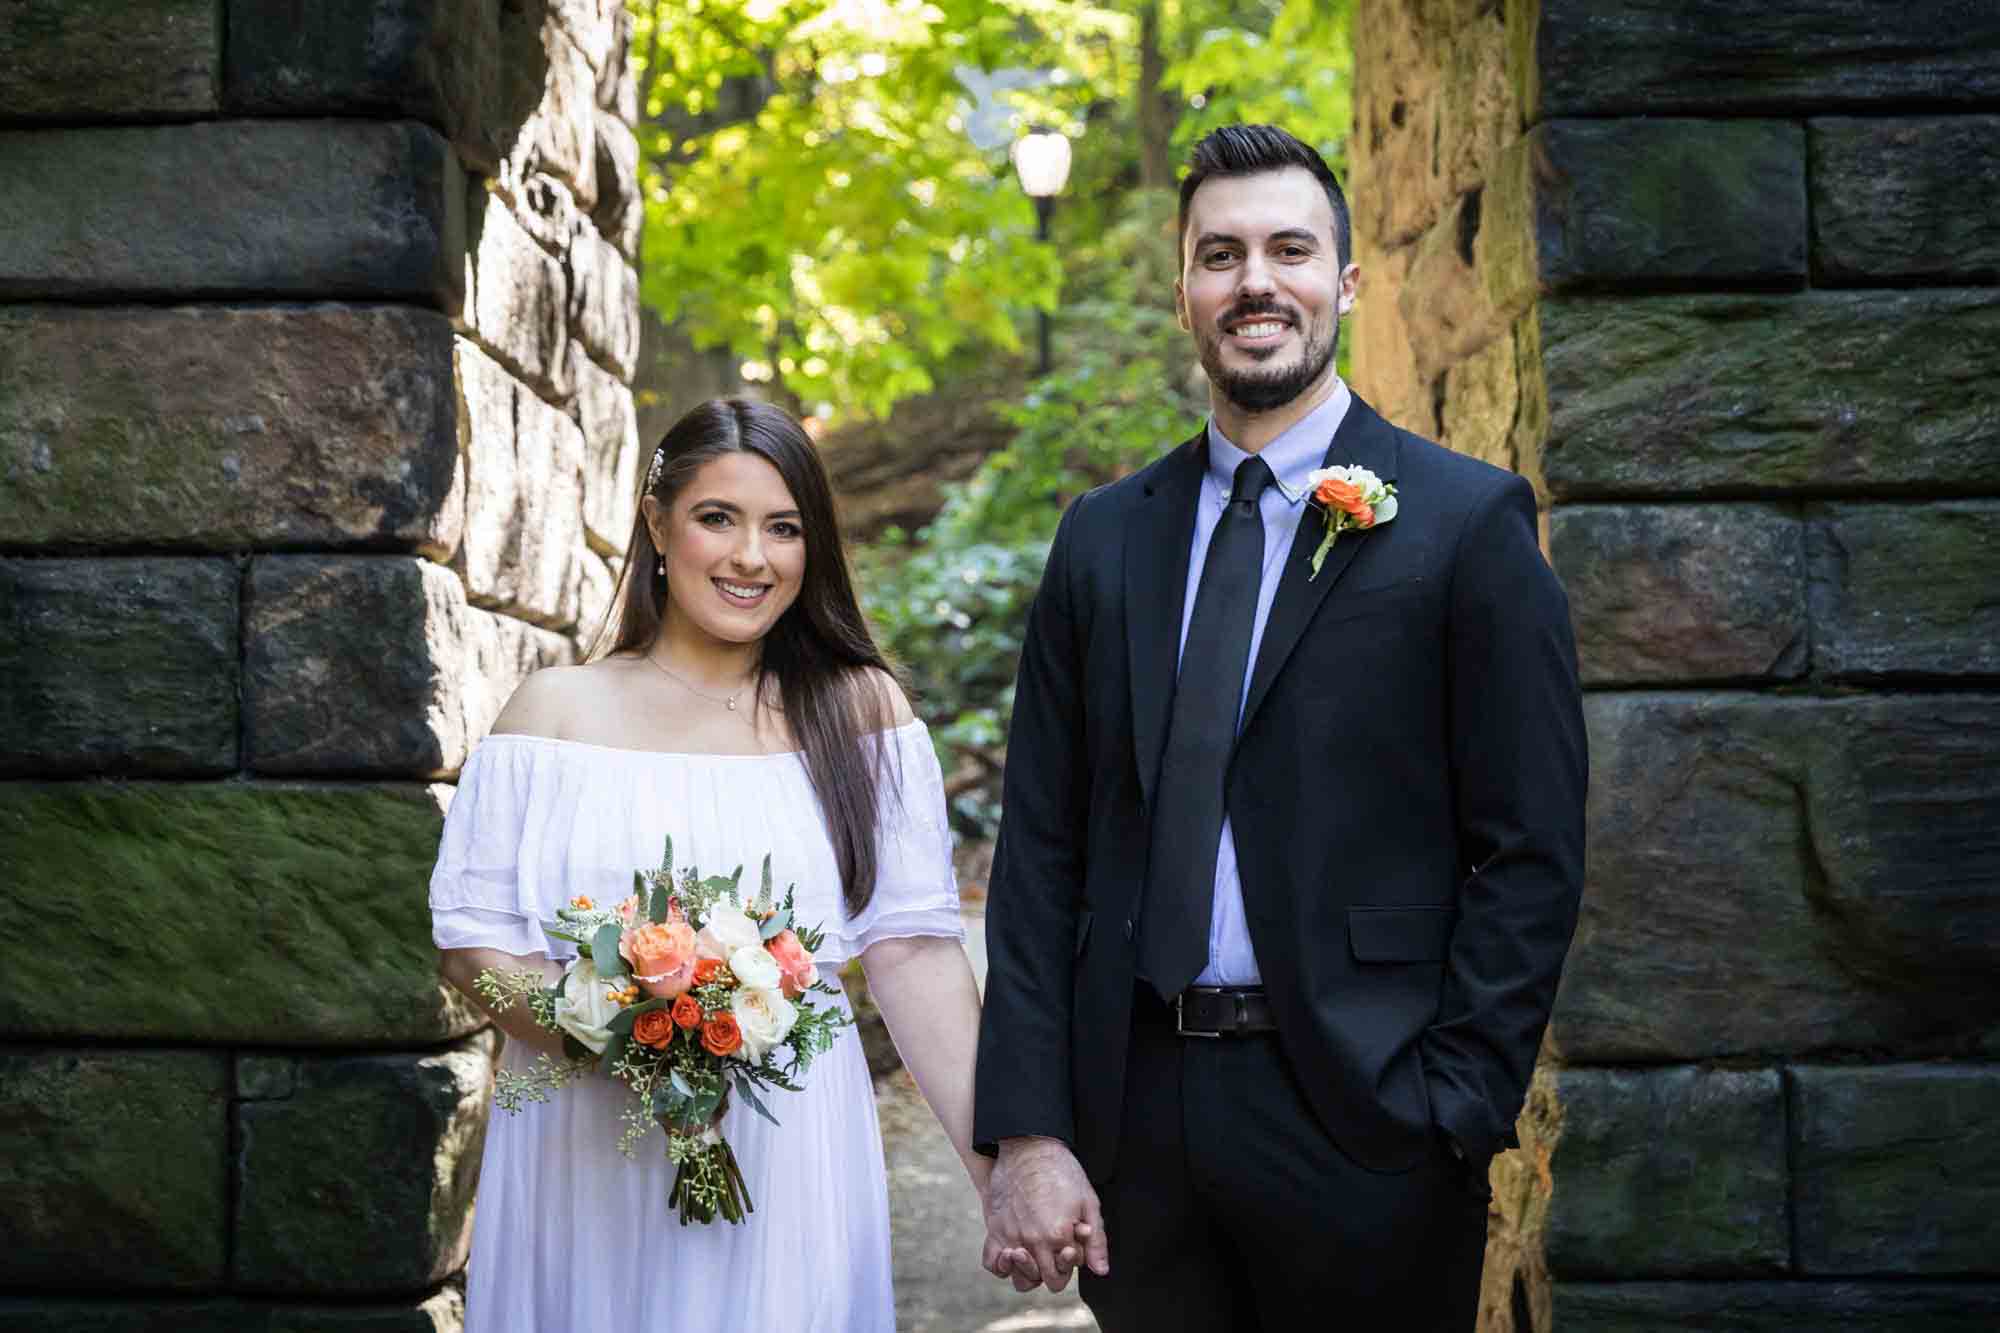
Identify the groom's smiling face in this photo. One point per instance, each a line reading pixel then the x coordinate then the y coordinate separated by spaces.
pixel 1262 287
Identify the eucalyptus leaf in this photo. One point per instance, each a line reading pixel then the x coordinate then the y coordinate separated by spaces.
pixel 681 1085
pixel 604 951
pixel 744 1086
pixel 776 926
pixel 622 1021
pixel 614 1051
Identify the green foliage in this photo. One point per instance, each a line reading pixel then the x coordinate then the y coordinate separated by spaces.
pixel 951 607
pixel 1299 75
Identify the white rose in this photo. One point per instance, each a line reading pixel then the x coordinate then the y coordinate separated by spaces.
pixel 585 1006
pixel 729 930
pixel 755 968
pixel 764 1017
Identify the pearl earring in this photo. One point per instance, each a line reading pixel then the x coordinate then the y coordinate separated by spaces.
pixel 663 566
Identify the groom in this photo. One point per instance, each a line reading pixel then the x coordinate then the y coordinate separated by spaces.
pixel 1289 860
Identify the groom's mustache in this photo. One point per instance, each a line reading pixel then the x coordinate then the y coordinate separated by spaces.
pixel 1252 308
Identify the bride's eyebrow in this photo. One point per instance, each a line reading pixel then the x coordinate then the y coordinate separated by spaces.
pixel 731 507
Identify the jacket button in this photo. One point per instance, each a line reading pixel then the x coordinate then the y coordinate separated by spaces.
pixel 1130 929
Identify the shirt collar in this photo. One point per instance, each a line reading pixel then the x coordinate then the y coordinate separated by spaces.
pixel 1292 455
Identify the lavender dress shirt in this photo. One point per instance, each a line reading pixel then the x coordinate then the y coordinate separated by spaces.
pixel 1231 959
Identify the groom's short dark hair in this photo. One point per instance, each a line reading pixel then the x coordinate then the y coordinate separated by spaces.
pixel 1247 150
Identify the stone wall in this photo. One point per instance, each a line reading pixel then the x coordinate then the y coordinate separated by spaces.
pixel 1728 292
pixel 316 329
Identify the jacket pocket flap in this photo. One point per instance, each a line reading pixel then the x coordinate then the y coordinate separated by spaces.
pixel 1399 934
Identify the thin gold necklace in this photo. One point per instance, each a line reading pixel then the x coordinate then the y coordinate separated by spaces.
pixel 675 677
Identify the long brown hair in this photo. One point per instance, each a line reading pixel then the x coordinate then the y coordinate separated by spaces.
pixel 819 653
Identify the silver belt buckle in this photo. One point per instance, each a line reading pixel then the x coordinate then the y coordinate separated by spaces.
pixel 1180 1023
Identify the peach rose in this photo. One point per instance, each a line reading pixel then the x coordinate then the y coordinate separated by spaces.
pixel 720 1036
pixel 662 958
pixel 654 1028
pixel 687 1012
pixel 795 963
pixel 1338 494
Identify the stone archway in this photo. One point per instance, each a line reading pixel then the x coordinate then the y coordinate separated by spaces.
pixel 316 330
pixel 1724 288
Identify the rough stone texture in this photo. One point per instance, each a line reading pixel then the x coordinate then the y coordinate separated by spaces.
pixel 1657 203
pixel 330 935
pixel 1829 392
pixel 1447 314
pixel 112 1165
pixel 524 498
pixel 387 1150
pixel 1683 593
pixel 1385 361
pixel 443 1312
pixel 1898 1169
pixel 517 300
pixel 1676 1172
pixel 604 301
pixel 222 208
pixel 1901 199
pixel 617 80
pixel 560 138
pixel 57 64
pixel 1433 104
pixel 1666 57
pixel 118 666
pixel 224 428
pixel 438 61
pixel 611 453
pixel 1774 1307
pixel 621 206
pixel 375 665
pixel 592 25
pixel 1800 875
pixel 599 586
pixel 1482 399
pixel 1906 590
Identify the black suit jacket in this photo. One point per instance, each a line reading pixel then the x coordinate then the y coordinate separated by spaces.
pixel 1406 798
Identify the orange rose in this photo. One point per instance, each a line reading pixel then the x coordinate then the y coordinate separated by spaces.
pixel 795 964
pixel 654 1028
pixel 1339 494
pixel 687 1013
pixel 706 970
pixel 662 958
pixel 720 1035
pixel 1364 517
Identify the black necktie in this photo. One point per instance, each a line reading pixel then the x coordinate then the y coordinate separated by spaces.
pixel 1187 815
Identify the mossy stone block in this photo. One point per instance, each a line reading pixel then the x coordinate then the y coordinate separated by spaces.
pixel 112 1165
pixel 221 912
pixel 118 666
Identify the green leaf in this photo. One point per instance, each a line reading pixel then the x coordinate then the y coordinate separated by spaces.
pixel 776 926
pixel 622 1021
pixel 614 1051
pixel 667 859
pixel 662 901
pixel 604 952
pixel 573 1048
pixel 764 893
pixel 681 1085
pixel 743 1086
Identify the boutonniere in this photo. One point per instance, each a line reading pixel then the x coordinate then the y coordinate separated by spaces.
pixel 1350 497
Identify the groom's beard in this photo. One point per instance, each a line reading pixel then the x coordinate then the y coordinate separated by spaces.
pixel 1264 388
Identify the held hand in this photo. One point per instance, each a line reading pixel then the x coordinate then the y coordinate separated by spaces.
pixel 1041 1213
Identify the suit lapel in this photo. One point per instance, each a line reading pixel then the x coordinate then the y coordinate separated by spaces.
pixel 1157 538
pixel 1364 440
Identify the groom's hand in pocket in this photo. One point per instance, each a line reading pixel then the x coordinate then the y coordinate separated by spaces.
pixel 1042 1216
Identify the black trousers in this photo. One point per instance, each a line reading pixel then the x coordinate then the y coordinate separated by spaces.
pixel 1232 1211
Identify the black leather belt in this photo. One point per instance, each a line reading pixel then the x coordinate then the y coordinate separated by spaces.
pixel 1223 1011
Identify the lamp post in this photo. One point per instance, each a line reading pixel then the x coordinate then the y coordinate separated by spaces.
pixel 1041 159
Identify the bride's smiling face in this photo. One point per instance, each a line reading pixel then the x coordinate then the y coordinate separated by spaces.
pixel 734 547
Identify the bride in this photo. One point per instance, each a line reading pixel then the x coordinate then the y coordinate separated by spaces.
pixel 741 708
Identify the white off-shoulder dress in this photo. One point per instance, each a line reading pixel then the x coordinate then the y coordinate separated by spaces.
pixel 569 1236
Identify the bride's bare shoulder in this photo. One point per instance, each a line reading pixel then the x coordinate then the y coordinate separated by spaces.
pixel 547 702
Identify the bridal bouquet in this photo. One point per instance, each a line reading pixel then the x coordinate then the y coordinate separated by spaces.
pixel 684 993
